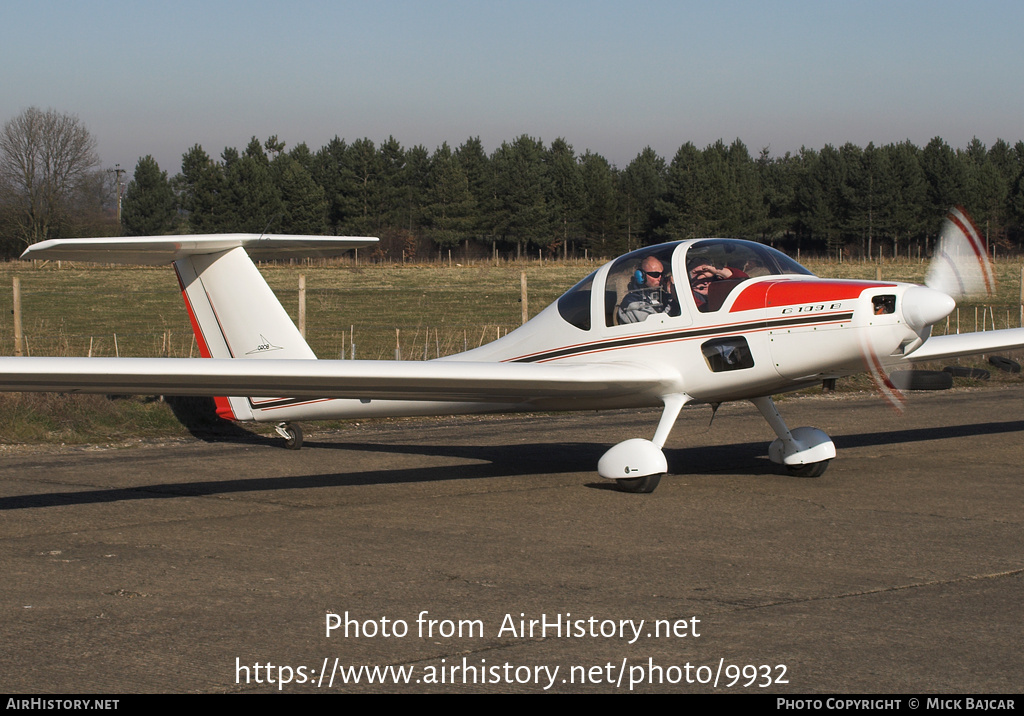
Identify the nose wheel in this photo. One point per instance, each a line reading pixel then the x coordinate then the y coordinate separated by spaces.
pixel 291 433
pixel 804 452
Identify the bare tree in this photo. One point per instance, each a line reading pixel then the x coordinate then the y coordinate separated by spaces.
pixel 45 157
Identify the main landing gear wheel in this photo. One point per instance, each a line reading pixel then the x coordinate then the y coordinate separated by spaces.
pixel 639 485
pixel 291 433
pixel 811 469
pixel 641 458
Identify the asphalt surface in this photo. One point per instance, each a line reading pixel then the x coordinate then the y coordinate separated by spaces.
pixel 181 567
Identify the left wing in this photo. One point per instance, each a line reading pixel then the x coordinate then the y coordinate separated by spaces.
pixel 544 386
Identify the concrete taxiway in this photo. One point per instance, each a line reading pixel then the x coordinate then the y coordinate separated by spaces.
pixel 453 547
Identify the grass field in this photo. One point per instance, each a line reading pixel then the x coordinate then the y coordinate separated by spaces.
pixel 436 309
pixel 67 308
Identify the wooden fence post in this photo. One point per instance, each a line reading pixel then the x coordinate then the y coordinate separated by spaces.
pixel 302 305
pixel 17 316
pixel 523 296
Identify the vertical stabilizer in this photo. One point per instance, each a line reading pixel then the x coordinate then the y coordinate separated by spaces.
pixel 234 314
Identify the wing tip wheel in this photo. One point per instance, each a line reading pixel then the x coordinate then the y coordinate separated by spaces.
pixel 291 433
pixel 640 485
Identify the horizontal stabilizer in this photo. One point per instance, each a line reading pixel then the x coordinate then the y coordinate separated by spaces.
pixel 160 250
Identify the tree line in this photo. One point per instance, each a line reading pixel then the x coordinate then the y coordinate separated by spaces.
pixel 529 198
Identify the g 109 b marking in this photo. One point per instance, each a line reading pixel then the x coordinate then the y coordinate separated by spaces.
pixel 812 308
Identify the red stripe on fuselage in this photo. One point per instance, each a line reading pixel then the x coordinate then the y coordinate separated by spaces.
pixel 221 402
pixel 204 350
pixel 790 292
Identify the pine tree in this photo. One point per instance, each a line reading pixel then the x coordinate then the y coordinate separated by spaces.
pixel 520 212
pixel 600 203
pixel 253 201
pixel 449 206
pixel 477 166
pixel 565 189
pixel 332 171
pixel 642 184
pixel 303 204
pixel 202 187
pixel 149 204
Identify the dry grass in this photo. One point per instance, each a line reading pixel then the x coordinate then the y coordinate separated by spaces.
pixel 62 418
pixel 138 311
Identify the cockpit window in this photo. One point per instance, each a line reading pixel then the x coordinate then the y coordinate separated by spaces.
pixel 884 305
pixel 639 285
pixel 574 305
pixel 754 259
pixel 716 266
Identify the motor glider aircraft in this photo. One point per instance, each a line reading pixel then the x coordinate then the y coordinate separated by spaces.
pixel 692 322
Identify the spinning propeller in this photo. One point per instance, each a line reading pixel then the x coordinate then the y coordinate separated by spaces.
pixel 959 269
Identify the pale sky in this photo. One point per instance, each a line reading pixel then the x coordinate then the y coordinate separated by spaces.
pixel 607 75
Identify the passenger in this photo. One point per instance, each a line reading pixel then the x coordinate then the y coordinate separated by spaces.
pixel 651 291
pixel 703 276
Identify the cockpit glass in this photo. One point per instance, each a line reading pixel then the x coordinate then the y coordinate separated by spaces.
pixel 715 267
pixel 640 285
pixel 752 259
pixel 574 305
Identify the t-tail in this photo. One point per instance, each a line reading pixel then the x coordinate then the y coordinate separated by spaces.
pixel 234 313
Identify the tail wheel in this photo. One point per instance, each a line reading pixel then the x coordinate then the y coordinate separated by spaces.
pixel 291 433
pixel 639 485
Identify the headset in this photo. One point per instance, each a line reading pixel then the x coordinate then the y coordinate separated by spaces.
pixel 640 276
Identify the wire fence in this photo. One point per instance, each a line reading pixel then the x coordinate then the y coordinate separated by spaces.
pixel 126 312
pixel 380 312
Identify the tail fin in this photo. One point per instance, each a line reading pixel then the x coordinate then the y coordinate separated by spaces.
pixel 234 313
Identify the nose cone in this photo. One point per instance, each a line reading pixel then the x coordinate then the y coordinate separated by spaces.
pixel 924 306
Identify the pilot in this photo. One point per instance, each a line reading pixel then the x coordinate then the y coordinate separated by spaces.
pixel 703 275
pixel 652 291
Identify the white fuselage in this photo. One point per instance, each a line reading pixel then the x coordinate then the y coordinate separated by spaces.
pixel 771 333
